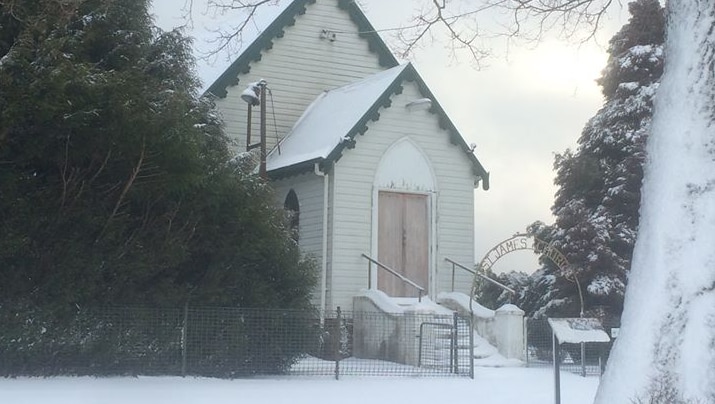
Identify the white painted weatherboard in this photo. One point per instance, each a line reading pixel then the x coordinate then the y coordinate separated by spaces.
pixel 298 68
pixel 354 176
pixel 309 190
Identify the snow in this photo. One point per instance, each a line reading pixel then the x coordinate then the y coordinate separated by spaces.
pixel 493 386
pixel 462 300
pixel 602 285
pixel 329 119
pixel 510 308
pixel 577 330
pixel 427 306
pixel 494 359
pixel 381 300
pixel 667 331
pixel 397 305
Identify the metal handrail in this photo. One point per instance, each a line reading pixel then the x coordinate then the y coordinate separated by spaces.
pixel 420 289
pixel 457 264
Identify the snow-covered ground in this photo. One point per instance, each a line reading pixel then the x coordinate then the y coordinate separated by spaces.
pixel 490 386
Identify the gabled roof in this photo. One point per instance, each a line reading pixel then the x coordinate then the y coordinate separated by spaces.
pixel 264 41
pixel 334 119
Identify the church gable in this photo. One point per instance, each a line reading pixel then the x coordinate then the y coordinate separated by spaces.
pixel 337 119
pixel 311 47
pixel 265 41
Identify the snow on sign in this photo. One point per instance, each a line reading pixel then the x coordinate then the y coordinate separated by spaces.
pixel 578 330
pixel 573 331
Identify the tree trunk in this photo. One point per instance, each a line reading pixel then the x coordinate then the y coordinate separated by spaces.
pixel 667 342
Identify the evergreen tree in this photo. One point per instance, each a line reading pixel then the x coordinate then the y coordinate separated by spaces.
pixel 596 205
pixel 115 186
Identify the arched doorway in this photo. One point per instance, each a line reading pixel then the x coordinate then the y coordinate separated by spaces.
pixel 403 228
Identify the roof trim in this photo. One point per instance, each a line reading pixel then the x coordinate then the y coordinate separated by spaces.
pixel 297 169
pixel 454 136
pixel 373 114
pixel 367 31
pixel 276 29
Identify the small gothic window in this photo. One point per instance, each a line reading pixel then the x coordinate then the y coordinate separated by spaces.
pixel 293 208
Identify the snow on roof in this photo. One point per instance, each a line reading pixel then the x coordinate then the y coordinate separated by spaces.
pixel 577 330
pixel 329 119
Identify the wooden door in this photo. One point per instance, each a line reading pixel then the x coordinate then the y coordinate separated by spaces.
pixel 403 242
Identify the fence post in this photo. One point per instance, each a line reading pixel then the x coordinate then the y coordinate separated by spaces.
pixel 583 359
pixel 526 341
pixel 453 277
pixel 557 371
pixel 337 345
pixel 454 356
pixel 369 274
pixel 471 346
pixel 184 342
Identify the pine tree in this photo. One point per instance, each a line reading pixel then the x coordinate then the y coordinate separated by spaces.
pixel 596 205
pixel 116 186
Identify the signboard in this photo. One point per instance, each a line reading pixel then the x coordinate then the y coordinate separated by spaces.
pixel 523 242
pixel 517 242
pixel 578 330
pixel 573 331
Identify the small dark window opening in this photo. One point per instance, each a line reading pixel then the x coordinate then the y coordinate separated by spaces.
pixel 293 209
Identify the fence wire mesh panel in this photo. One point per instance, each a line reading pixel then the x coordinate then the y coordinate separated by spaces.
pixel 586 360
pixel 231 342
pixel 409 344
pixel 91 342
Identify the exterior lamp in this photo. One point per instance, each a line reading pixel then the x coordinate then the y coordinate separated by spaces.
pixel 252 93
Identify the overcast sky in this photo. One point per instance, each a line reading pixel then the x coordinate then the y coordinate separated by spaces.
pixel 528 103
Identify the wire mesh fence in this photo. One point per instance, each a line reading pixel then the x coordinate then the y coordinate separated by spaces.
pixel 230 342
pixel 584 359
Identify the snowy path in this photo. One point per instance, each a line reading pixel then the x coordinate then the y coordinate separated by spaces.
pixel 490 386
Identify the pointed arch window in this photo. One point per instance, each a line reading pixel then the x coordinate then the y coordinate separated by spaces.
pixel 292 207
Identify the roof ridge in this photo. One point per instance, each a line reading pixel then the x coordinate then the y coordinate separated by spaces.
pixel 372 77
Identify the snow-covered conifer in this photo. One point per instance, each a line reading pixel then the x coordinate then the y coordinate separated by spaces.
pixel 596 205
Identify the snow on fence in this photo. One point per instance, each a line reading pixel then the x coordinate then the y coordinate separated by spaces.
pixel 210 341
pixel 589 361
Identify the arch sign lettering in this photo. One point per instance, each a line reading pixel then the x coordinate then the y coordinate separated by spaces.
pixel 516 243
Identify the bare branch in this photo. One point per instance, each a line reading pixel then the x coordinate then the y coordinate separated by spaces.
pixel 132 178
pixel 459 23
pixel 231 38
pixel 529 21
pixel 567 17
pixel 65 181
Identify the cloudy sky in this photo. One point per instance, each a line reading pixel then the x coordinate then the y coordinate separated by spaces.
pixel 526 103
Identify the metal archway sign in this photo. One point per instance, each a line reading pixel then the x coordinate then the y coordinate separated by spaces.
pixel 517 242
